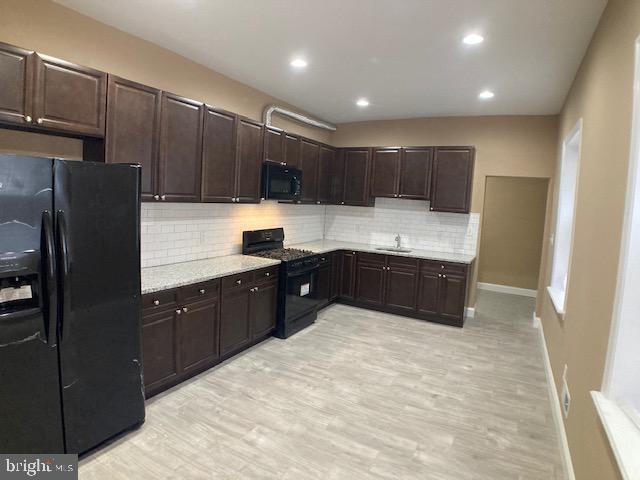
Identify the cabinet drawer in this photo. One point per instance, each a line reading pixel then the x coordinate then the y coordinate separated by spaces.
pixel 403 262
pixel 444 267
pixel 159 300
pixel 266 274
pixel 374 258
pixel 199 291
pixel 236 281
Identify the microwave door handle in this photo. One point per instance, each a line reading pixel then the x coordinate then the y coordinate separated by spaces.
pixel 296 184
pixel 63 261
pixel 50 280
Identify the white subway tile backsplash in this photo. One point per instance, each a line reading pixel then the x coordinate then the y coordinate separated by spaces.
pixel 179 232
pixel 419 227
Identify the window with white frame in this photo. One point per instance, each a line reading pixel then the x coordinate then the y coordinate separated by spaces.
pixel 563 237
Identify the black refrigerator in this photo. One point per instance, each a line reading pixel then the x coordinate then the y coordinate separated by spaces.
pixel 70 361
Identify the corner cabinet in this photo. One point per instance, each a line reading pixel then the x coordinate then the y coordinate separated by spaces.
pixel 451 179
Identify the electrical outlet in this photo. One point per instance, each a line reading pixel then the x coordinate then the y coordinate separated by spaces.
pixel 565 396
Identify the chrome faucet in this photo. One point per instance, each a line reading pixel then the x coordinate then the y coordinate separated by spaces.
pixel 398 241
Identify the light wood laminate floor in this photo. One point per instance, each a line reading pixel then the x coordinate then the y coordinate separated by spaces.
pixel 360 395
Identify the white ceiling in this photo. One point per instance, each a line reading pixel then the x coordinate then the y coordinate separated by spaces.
pixel 405 56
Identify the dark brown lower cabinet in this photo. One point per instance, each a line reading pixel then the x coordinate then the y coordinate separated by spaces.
pixel 370 280
pixel 451 297
pixel 348 275
pixel 192 328
pixel 334 290
pixel 159 347
pixel 263 302
pixel 428 293
pixel 400 288
pixel 324 281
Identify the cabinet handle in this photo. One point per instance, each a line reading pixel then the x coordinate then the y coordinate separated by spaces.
pixel 178 312
pixel 318 203
pixel 163 197
pixel 431 208
pixel 40 120
pixel 156 302
pixel 442 266
pixel 444 276
pixel 395 195
pixel 185 309
pixel 28 118
pixel 439 275
pixel 341 203
pixel 238 282
pixel 156 197
pixel 267 274
pixel 202 291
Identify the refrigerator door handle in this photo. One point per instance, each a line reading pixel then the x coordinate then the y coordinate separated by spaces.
pixel 63 261
pixel 50 274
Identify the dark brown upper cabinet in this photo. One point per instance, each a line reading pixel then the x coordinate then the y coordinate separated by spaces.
pixel 357 169
pixel 291 150
pixel 68 97
pixel 180 148
pixel 274 145
pixel 249 151
pixel 309 154
pixel 385 178
pixel 329 175
pixel 219 156
pixel 451 179
pixel 16 76
pixel 415 173
pixel 133 129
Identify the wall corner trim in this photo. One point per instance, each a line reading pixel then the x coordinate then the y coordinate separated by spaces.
pixel 563 443
pixel 469 312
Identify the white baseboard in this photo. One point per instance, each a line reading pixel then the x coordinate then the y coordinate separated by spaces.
pixel 494 287
pixel 469 312
pixel 555 405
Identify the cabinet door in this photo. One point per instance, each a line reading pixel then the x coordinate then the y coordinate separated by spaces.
pixel 249 160
pixel 327 185
pixel 324 284
pixel 428 292
pixel 309 153
pixel 386 172
pixel 415 173
pixel 451 179
pixel 159 348
pixel 370 284
pixel 16 70
pixel 347 275
pixel 180 149
pixel 198 334
pixel 356 176
pixel 218 156
pixel 69 97
pixel 400 291
pixel 273 145
pixel 234 320
pixel 263 303
pixel 451 297
pixel 334 291
pixel 133 127
pixel 291 150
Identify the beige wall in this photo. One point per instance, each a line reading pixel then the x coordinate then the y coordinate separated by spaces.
pixel 51 29
pixel 512 231
pixel 602 96
pixel 516 146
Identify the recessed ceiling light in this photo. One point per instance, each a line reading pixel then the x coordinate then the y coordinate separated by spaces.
pixel 362 102
pixel 298 63
pixel 473 39
pixel 486 95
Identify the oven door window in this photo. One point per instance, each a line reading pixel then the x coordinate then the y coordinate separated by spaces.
pixel 301 294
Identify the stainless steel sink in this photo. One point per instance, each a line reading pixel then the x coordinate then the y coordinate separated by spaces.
pixel 394 249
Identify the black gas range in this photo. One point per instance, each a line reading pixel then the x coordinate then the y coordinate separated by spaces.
pixel 298 291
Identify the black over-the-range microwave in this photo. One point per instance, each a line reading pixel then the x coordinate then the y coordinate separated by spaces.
pixel 280 182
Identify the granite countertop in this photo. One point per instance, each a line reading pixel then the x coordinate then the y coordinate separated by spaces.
pixel 325 246
pixel 164 277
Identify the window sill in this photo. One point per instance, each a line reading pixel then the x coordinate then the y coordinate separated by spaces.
pixel 623 433
pixel 557 299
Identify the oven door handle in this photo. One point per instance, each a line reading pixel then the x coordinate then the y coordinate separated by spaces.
pixel 302 272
